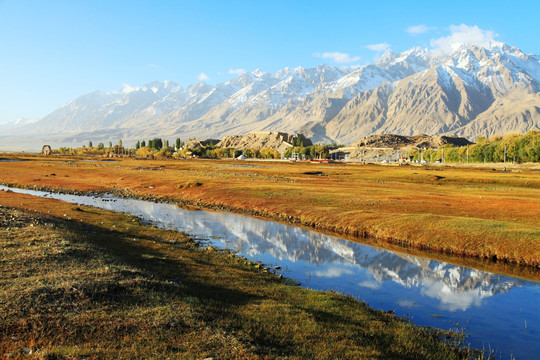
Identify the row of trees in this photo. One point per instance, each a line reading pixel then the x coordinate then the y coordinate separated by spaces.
pixel 158 144
pixel 156 147
pixel 159 147
pixel 100 149
pixel 210 151
pixel 508 148
pixel 317 151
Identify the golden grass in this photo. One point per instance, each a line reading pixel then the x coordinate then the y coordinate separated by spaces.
pixel 473 212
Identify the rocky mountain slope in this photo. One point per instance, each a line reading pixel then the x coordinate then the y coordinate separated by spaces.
pixel 474 92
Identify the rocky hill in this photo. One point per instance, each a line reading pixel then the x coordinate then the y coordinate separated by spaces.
pixel 264 139
pixel 193 143
pixel 416 141
pixel 477 91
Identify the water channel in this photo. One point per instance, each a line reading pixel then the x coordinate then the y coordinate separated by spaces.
pixel 497 312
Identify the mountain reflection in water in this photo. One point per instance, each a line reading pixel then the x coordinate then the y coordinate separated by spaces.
pixel 496 311
pixel 455 287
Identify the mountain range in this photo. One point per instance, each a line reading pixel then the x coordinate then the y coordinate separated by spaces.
pixel 476 91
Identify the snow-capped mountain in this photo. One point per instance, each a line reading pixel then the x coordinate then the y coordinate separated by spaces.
pixel 477 91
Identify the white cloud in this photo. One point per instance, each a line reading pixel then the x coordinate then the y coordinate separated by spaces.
pixel 203 77
pixel 153 66
pixel 418 29
pixel 406 303
pixel 462 35
pixel 333 272
pixel 378 47
pixel 373 285
pixel 128 89
pixel 453 300
pixel 338 57
pixel 236 71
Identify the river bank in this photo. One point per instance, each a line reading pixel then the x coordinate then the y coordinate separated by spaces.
pixel 483 214
pixel 83 282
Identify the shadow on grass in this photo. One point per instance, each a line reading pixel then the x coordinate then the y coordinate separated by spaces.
pixel 115 293
pixel 136 272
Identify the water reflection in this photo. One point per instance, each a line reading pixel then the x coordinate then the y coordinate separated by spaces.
pixel 493 308
pixel 455 287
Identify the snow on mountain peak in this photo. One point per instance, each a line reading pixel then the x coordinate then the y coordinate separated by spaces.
pixel 500 66
pixel 296 99
pixel 387 57
pixel 258 73
pixel 505 49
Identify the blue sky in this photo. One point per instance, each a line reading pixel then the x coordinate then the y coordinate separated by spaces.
pixel 54 51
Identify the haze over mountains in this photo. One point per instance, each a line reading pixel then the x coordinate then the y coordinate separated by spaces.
pixel 477 91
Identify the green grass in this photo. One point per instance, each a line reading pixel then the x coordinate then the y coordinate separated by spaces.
pixel 94 284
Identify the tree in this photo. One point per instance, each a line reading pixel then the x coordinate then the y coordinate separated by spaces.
pixel 155 143
pixel 267 153
pixel 89 144
pixel 178 143
pixel 120 142
pixel 143 144
pixel 137 145
pixel 165 151
pixel 209 153
pixel 198 151
pixel 481 140
pixel 144 151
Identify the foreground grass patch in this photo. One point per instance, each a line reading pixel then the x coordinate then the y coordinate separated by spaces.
pixel 85 283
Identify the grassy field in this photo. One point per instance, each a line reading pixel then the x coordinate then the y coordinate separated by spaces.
pixel 78 282
pixel 461 214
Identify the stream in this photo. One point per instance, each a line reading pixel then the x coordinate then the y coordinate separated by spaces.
pixel 498 312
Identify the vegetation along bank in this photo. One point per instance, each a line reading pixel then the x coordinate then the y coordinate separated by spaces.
pixel 466 212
